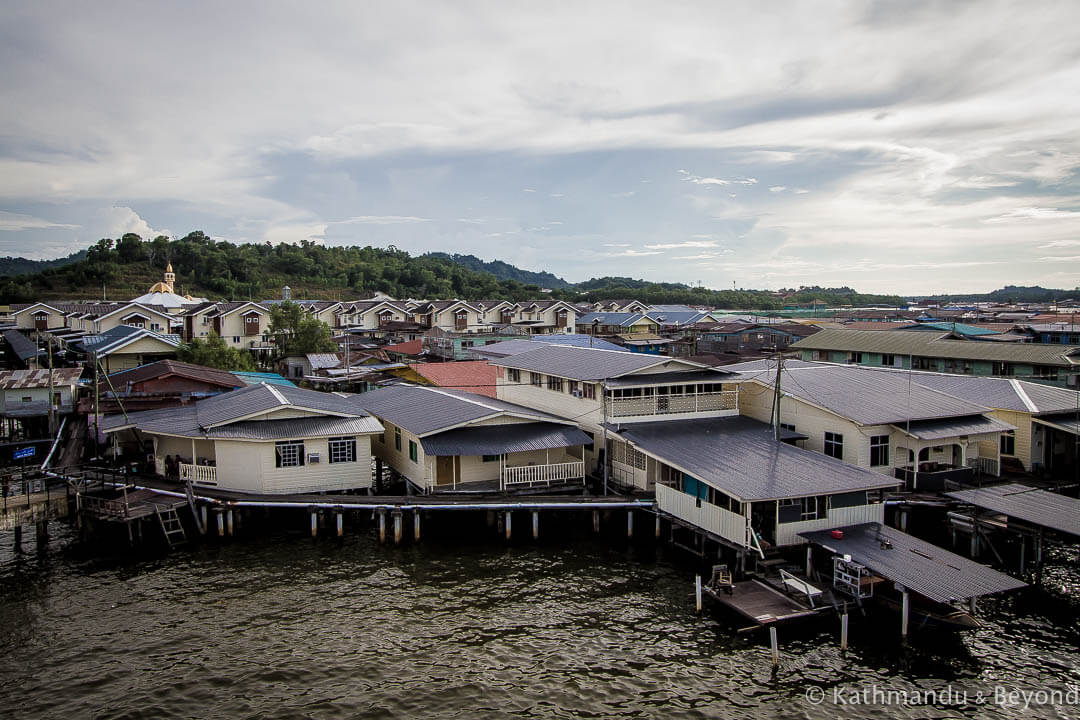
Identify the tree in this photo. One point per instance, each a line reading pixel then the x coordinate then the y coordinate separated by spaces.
pixel 297 333
pixel 213 352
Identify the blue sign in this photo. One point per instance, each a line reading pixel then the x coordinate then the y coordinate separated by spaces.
pixel 25 452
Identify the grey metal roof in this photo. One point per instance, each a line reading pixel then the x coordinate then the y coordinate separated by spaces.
pixel 740 457
pixel 588 364
pixel 867 397
pixel 577 340
pixel 499 439
pixel 624 319
pixel 952 427
pixel 425 410
pixel 24 348
pixel 121 336
pixel 504 348
pixel 935 344
pixel 919 566
pixel 712 375
pixel 1038 507
pixel 296 428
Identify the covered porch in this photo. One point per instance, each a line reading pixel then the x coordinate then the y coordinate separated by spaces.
pixel 504 457
pixel 931 453
pixel 660 396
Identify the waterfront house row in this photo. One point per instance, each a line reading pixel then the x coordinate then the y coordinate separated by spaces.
pixel 263 439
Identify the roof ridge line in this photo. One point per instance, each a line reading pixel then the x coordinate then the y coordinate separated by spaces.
pixel 1022 394
pixel 280 398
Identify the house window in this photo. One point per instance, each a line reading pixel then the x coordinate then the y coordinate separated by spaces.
pixel 588 391
pixel 573 387
pixel 342 450
pixel 27 398
pixel 855 358
pixel 537 379
pixel 888 360
pixel 1008 442
pixel 554 383
pixel 834 445
pixel 461 320
pixel 412 451
pixel 236 339
pixel 787 426
pixel 1044 372
pixel 491 458
pixel 289 453
pixel 513 375
pixel 397 439
pixel 879 450
pixel 1004 369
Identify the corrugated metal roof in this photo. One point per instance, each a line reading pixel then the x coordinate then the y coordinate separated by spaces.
pixel 952 427
pixel 740 457
pixel 425 410
pixel 24 348
pixel 254 378
pixel 919 566
pixel 121 336
pixel 322 361
pixel 625 319
pixel 161 368
pixel 296 428
pixel 505 348
pixel 577 340
pixel 865 396
pixel 1038 507
pixel 499 439
pixel 930 344
pixel 18 379
pixel 587 364
pixel 712 375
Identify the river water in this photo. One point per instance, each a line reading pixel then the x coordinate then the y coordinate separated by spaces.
pixel 276 625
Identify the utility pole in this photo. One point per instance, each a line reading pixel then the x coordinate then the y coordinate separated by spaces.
pixel 52 407
pixel 97 409
pixel 777 394
pixel 603 405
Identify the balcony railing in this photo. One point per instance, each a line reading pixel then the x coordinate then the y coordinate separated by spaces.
pixel 554 472
pixel 198 474
pixel 673 404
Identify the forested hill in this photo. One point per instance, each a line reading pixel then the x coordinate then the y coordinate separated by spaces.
pixel 504 271
pixel 1010 294
pixel 22 266
pixel 126 268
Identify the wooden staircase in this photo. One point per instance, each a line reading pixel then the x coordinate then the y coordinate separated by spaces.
pixel 171 526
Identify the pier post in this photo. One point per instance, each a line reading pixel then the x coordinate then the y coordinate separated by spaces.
pixel 697 593
pixel 509 516
pixel 904 614
pixel 220 523
pixel 1023 548
pixel 974 540
pixel 416 525
pixel 42 528
pixel 314 523
pixel 203 526
pixel 340 523
pixel 903 521
pixel 657 526
pixel 809 561
pixel 229 522
pixel 596 521
pixel 843 629
pixel 1038 557
pixel 775 648
pixel 397 527
pixel 971 605
pixel 501 523
pixel 18 538
pixel 536 524
pixel 630 523
pixel 382 526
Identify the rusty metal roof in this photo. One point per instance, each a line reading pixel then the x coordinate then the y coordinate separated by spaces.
pixel 18 379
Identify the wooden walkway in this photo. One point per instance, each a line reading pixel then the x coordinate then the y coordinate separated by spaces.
pixel 24 509
pixel 758 601
pixel 133 505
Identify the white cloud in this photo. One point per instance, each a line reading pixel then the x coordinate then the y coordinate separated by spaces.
pixel 684 244
pixel 622 245
pixel 1034 213
pixel 13 222
pixel 383 220
pixel 777 188
pixel 119 220
pixel 638 253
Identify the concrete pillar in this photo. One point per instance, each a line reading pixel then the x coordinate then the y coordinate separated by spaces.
pixel 416 525
pixel 905 613
pixel 397 527
pixel 314 523
pixel 903 521
pixel 843 629
pixel 658 526
pixel 509 517
pixel 229 522
pixel 630 523
pixel 775 647
pixel 220 523
pixel 809 561
pixel 340 523
pixel 203 527
pixel 536 524
pixel 697 593
pixel 382 526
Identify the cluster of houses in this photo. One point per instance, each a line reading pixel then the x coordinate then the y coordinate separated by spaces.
pixel 806 430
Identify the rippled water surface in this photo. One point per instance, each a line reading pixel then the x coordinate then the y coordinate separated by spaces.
pixel 282 626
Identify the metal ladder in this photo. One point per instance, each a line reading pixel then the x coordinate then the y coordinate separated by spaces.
pixel 171 526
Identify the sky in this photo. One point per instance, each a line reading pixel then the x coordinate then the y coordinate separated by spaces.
pixel 902 147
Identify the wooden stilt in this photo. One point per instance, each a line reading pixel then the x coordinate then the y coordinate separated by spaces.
pixel 416 525
pixel 809 560
pixel 775 648
pixel 903 521
pixel 1023 549
pixel 843 629
pixel 220 523
pixel 203 525
pixel 229 522
pixel 314 523
pixel 697 593
pixel 971 605
pixel 974 540
pixel 382 526
pixel 905 613
pixel 658 526
pixel 596 521
pixel 340 519
pixel 536 524
pixel 509 517
pixel 397 527
pixel 629 523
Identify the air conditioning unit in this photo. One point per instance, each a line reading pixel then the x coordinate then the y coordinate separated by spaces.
pixel 576 393
pixel 313 458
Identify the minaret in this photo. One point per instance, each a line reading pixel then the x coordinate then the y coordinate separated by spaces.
pixel 170 277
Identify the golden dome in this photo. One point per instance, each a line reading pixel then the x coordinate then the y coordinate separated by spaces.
pixel 160 287
pixel 168 268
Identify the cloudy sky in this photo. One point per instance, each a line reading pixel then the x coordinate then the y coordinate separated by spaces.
pixel 900 147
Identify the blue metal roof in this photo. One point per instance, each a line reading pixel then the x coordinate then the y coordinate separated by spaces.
pixel 254 378
pixel 958 328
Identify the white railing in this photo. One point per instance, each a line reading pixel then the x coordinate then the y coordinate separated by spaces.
pixel 788 533
pixel 673 404
pixel 987 466
pixel 198 474
pixel 715 519
pixel 553 472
